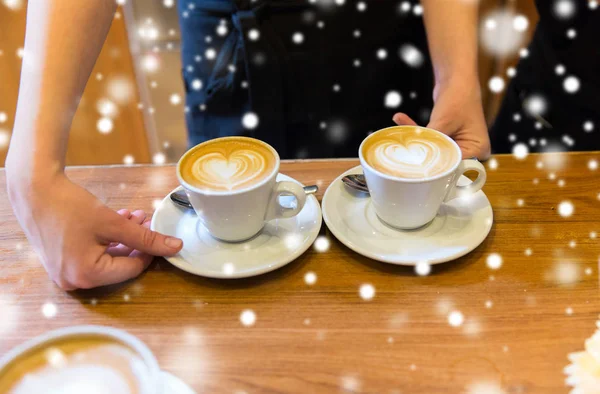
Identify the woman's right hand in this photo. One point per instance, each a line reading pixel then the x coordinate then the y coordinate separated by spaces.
pixel 81 242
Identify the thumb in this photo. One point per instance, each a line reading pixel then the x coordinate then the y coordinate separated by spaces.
pixel 143 239
pixel 403 119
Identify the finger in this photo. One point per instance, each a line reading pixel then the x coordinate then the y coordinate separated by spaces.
pixel 142 238
pixel 138 216
pixel 118 249
pixel 126 213
pixel 403 119
pixel 110 269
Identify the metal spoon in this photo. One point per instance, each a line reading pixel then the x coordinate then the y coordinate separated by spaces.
pixel 180 198
pixel 358 181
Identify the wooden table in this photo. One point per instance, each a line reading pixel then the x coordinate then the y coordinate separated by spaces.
pixel 520 321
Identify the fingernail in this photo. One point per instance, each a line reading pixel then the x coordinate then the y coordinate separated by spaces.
pixel 173 242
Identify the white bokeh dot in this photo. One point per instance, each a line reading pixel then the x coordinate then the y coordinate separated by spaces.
pixel 222 30
pixel 361 6
pixel 159 158
pixel 3 117
pixel 423 268
pixel 588 126
pixel 560 69
pixel 128 160
pixel 564 9
pixel 492 164
pixel 381 53
pixel 593 164
pixel 298 38
pixel 511 72
pixel 520 23
pixel 250 120
pixel 248 317
pixel 310 278
pixel 456 319
pixel 367 291
pixel 520 151
pixel 411 55
pixel 494 261
pixel 228 269
pixel 253 34
pixel 571 33
pixel 569 311
pixel 393 99
pixel 524 52
pixel 104 125
pixel 496 84
pixel 49 310
pixel 210 53
pixel 197 84
pixel 175 99
pixel 535 105
pixel 321 244
pixel 566 209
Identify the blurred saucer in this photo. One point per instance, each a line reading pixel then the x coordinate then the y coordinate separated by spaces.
pixel 459 227
pixel 171 384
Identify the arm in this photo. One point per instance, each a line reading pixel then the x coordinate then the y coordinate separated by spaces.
pixel 81 242
pixel 62 44
pixel 451 27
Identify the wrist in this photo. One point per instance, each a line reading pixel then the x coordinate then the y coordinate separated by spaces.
pixel 458 84
pixel 25 175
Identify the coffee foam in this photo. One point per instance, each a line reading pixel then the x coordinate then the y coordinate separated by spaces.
pixel 228 164
pixel 76 366
pixel 410 152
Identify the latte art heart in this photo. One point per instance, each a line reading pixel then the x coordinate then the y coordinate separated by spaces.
pixel 228 164
pixel 216 170
pixel 410 152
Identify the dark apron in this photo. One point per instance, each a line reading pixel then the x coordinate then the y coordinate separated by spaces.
pixel 565 124
pixel 290 86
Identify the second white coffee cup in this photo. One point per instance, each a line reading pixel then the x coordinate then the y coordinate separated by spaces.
pixel 409 203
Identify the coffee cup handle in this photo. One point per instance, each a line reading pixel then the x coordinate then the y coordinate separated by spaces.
pixel 285 188
pixel 457 191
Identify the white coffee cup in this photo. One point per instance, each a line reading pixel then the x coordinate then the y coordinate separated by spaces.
pixel 408 203
pixel 151 379
pixel 238 215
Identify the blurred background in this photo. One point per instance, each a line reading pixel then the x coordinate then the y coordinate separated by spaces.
pixel 133 107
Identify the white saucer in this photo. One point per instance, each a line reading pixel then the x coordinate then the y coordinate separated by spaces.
pixel 460 226
pixel 171 384
pixel 279 242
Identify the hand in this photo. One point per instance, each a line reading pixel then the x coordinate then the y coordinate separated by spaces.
pixel 458 113
pixel 82 243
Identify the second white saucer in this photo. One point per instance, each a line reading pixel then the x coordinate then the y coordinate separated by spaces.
pixel 460 226
pixel 279 242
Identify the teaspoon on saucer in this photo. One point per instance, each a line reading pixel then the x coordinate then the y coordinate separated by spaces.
pixel 358 181
pixel 180 198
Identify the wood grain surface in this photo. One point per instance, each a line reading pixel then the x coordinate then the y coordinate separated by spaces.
pixel 520 320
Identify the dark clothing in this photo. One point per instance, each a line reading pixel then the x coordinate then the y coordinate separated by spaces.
pixel 310 97
pixel 571 120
